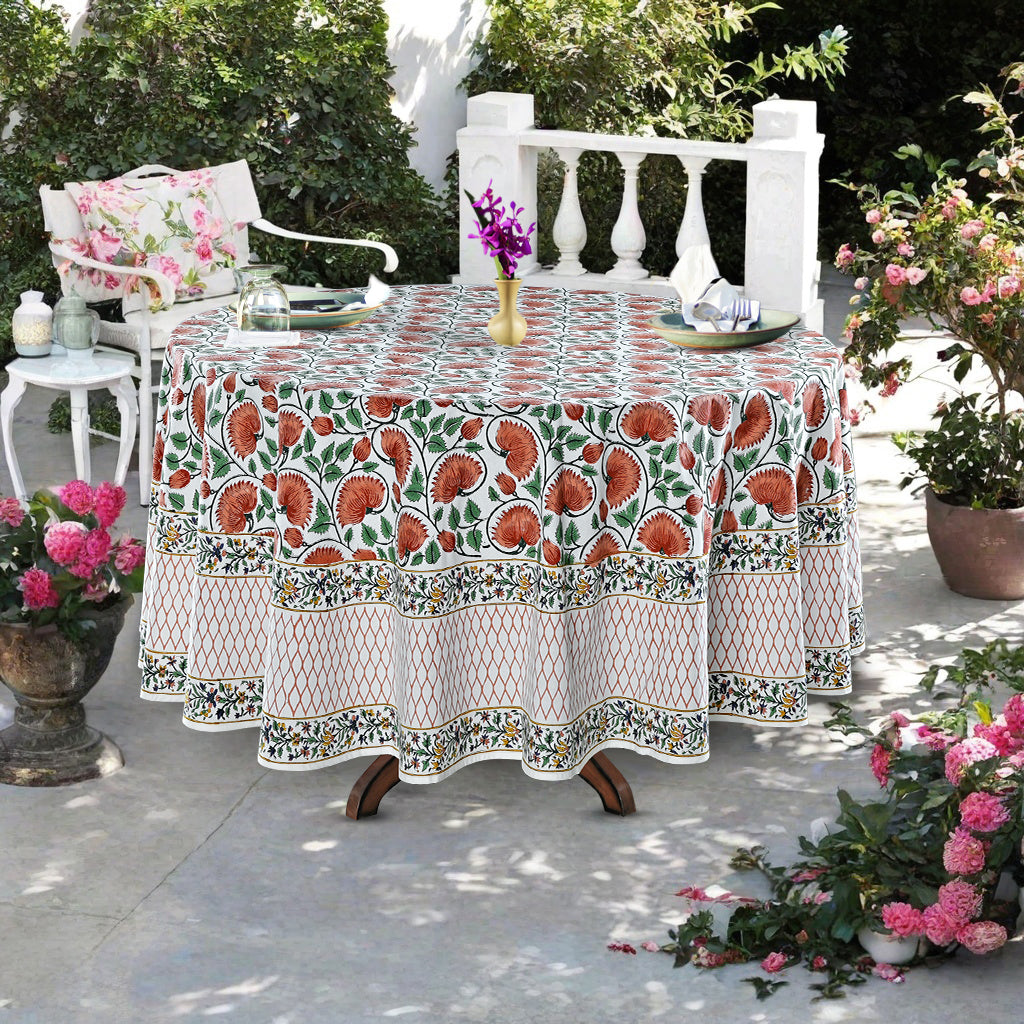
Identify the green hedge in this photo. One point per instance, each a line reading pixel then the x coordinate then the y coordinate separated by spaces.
pixel 296 87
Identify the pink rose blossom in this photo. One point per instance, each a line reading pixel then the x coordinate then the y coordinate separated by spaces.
pixel 105 246
pixel 939 926
pixel 844 257
pixel 78 497
pixel 878 237
pixel 887 972
pixel 199 215
pixel 999 734
pixel 905 249
pixel 935 739
pixel 960 899
pixel 94 553
pixel 873 216
pixel 1013 712
pixel 819 963
pixel 64 542
pixel 110 500
pixel 902 919
pixel 963 854
pixel 36 587
pixel 1008 286
pixel 965 753
pixel 983 812
pixel 128 556
pixel 895 274
pixel 970 296
pixel 861 283
pixel 971 229
pixel 11 511
pixel 651 947
pixel 981 936
pixel 987 243
pixel 203 249
pixel 774 962
pixel 880 758
pixel 169 267
pixel 915 275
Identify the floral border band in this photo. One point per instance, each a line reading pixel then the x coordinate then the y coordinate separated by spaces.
pixel 760 700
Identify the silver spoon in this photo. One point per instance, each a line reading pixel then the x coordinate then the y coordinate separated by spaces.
pixel 709 313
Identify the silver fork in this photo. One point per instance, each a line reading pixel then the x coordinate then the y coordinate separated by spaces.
pixel 742 309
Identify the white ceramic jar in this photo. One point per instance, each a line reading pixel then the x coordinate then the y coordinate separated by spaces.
pixel 32 326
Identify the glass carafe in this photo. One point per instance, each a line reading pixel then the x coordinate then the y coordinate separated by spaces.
pixel 263 303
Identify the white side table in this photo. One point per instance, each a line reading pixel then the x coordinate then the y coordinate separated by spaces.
pixel 77 375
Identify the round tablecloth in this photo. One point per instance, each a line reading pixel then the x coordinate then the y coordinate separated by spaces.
pixel 401 538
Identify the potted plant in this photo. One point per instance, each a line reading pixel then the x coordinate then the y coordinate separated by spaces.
pixel 958 262
pixel 913 872
pixel 65 586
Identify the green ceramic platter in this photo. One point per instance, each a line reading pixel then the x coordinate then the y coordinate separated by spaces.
pixel 772 324
pixel 306 317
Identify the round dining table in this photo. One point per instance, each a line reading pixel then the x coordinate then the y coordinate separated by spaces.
pixel 399 539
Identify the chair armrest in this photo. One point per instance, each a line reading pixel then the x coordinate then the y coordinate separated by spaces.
pixel 391 257
pixel 162 281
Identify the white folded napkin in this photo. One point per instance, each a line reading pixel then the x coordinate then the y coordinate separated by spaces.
pixel 694 271
pixel 725 324
pixel 262 339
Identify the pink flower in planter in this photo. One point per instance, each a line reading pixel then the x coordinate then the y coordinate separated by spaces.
pixel 964 754
pixel 895 274
pixel 915 275
pixel 902 919
pixel 880 758
pixel 960 900
pixel 110 500
pixel 774 962
pixel 981 936
pixel 36 587
pixel 939 926
pixel 78 496
pixel 128 556
pixel 1013 712
pixel 963 854
pixel 11 511
pixel 819 963
pixel 983 812
pixel 970 296
pixel 64 542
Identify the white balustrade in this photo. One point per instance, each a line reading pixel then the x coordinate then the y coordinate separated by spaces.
pixel 782 154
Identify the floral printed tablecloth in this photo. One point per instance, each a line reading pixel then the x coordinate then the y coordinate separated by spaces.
pixel 400 538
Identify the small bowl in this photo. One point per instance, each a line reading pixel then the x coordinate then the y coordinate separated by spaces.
pixel 773 323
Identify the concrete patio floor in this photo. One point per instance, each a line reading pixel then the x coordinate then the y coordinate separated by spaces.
pixel 194 884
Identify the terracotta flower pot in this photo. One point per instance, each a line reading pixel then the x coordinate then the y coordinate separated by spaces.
pixel 979 550
pixel 49 743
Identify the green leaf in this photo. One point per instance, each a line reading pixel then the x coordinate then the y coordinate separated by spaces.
pixel 748 516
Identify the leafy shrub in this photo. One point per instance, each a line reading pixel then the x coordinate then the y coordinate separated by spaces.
pixel 655 67
pixel 298 88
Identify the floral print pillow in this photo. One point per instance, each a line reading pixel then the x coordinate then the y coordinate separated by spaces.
pixel 173 224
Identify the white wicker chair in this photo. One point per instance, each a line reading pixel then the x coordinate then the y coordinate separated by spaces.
pixel 146 333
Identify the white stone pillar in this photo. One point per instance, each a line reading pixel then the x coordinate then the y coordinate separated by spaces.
pixel 782 209
pixel 628 235
pixel 489 151
pixel 569 232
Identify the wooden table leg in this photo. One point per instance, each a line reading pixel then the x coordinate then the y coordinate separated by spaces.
pixel 610 783
pixel 371 786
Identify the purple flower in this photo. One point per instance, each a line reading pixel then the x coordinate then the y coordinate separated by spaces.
pixel 502 237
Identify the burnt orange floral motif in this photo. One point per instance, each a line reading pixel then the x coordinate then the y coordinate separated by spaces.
pixel 804 483
pixel 710 409
pixel 604 547
pixel 471 427
pixel 243 426
pixel 364 555
pixel 358 495
pixel 178 397
pixel 411 535
pixel 569 492
pixel 622 475
pixel 551 553
pixel 786 388
pixel 158 455
pixel 835 452
pixel 237 500
pixel 230 382
pixel 270 403
pixel 289 428
pixel 447 540
pixel 729 524
pixel 592 452
pixel 293 537
pixel 774 487
pixel 602 510
pixel 382 407
pixel 662 534
pixel 694 503
pixel 517 527
pixel 327 555
pixel 708 524
pixel 717 492
pixel 199 409
pixel 456 475
pixel 757 421
pixel 395 445
pixel 270 481
pixel 686 457
pixel 361 450
pixel 649 421
pixel 323 425
pixel 211 375
pixel 819 449
pixel 396 492
pixel 814 405
pixel 727 447
pixel 505 483
pixel 573 410
pixel 844 405
pixel 847 461
pixel 518 447
pixel 205 489
pixel 294 495
pixel 180 478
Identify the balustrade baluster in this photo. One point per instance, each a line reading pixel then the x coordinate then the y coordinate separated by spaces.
pixel 569 232
pixel 628 236
pixel 696 266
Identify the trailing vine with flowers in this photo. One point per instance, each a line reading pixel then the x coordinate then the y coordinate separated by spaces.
pixel 958 262
pixel 928 860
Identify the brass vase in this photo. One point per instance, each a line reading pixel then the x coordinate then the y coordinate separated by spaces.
pixel 508 325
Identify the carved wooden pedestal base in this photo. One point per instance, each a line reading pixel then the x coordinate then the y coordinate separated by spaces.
pixel 382 775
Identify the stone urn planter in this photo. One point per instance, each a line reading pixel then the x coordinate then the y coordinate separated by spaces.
pixel 50 743
pixel 889 949
pixel 979 550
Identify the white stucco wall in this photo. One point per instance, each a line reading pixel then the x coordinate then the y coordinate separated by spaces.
pixel 429 42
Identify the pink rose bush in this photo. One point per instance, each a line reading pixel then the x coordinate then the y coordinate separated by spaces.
pixel 60 559
pixel 919 861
